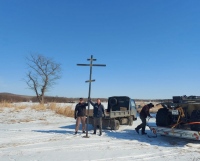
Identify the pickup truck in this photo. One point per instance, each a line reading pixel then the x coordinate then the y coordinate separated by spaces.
pixel 121 110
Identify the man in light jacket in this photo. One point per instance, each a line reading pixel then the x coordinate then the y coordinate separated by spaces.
pixel 98 113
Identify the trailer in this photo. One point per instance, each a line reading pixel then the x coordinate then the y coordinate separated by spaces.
pixel 180 118
pixel 173 132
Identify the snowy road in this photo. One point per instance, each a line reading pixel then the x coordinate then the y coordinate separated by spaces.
pixel 51 138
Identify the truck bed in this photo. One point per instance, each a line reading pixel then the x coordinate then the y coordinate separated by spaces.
pixel 112 114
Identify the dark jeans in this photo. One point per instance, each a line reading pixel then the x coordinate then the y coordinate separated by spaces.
pixel 143 124
pixel 98 121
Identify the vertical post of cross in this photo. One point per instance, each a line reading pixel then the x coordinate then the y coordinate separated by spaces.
pixel 90 80
pixel 89 92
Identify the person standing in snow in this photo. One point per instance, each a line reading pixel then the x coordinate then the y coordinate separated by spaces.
pixel 98 113
pixel 143 115
pixel 79 115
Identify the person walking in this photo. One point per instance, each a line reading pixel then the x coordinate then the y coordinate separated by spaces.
pixel 143 115
pixel 98 113
pixel 79 115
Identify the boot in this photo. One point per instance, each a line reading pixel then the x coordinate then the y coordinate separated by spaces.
pixel 94 132
pixel 137 130
pixel 143 131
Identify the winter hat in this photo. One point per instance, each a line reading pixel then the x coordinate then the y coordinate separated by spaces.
pixel 150 105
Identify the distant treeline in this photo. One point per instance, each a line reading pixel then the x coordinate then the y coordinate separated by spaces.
pixel 153 100
pixel 64 99
pixel 12 98
pixel 19 98
pixel 8 97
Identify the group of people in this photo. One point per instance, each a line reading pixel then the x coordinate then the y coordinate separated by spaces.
pixel 80 113
pixel 99 112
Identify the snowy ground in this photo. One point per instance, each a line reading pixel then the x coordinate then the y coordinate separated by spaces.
pixel 30 135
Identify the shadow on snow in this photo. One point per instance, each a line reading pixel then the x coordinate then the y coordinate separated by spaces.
pixel 69 129
pixel 128 134
pixel 165 141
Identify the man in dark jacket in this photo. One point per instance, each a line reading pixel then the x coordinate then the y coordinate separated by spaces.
pixel 98 113
pixel 143 115
pixel 79 114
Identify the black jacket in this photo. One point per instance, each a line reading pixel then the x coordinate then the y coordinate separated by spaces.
pixel 98 110
pixel 145 111
pixel 80 110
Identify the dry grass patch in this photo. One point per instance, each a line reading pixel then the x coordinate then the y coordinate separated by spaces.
pixel 5 104
pixel 19 108
pixel 25 120
pixel 42 119
pixel 12 121
pixel 52 106
pixel 66 111
pixel 39 107
pixel 1 110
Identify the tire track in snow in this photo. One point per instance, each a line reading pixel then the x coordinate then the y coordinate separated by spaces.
pixel 147 156
pixel 27 139
pixel 114 145
pixel 26 134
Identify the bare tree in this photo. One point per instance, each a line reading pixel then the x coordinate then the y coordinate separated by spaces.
pixel 42 74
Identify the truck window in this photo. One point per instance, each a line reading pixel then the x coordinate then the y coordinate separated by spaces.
pixel 133 104
pixel 122 102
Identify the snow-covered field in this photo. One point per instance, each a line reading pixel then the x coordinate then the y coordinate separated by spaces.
pixel 29 135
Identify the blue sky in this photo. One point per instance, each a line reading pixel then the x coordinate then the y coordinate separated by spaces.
pixel 151 47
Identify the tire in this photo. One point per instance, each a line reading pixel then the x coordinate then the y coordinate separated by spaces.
pixel 115 125
pixel 123 121
pixel 195 117
pixel 163 117
pixel 130 120
pixel 113 101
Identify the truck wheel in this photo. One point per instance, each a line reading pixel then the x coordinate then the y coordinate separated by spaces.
pixel 130 120
pixel 123 121
pixel 195 117
pixel 163 117
pixel 115 125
